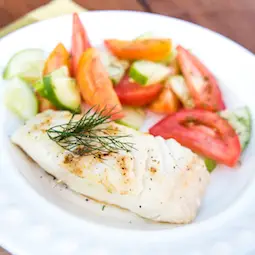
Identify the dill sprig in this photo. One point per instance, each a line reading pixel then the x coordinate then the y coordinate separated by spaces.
pixel 89 135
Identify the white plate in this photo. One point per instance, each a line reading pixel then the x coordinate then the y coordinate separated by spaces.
pixel 37 216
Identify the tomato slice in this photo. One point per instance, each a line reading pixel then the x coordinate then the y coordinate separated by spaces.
pixel 149 49
pixel 80 43
pixel 202 131
pixel 167 102
pixel 131 93
pixel 95 86
pixel 201 82
pixel 58 57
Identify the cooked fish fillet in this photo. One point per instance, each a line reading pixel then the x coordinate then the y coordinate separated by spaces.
pixel 158 180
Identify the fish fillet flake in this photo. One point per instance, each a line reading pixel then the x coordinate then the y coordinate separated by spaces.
pixel 158 179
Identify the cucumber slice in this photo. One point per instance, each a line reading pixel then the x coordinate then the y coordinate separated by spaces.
pixel 27 64
pixel 240 120
pixel 134 117
pixel 170 58
pixel 115 73
pixel 39 87
pixel 144 36
pixel 60 72
pixel 147 72
pixel 60 90
pixel 179 87
pixel 116 68
pixel 210 164
pixel 63 93
pixel 20 99
pixel 244 115
pixel 106 58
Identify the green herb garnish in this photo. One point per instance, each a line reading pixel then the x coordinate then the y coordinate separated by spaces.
pixel 90 135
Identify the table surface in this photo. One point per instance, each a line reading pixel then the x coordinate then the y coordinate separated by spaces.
pixel 232 18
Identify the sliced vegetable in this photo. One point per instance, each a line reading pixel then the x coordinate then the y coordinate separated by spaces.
pixel 147 72
pixel 220 144
pixel 58 57
pixel 80 43
pixel 20 99
pixel 44 104
pixel 39 88
pixel 131 93
pixel 167 102
pixel 210 164
pixel 148 49
pixel 244 115
pixel 179 87
pixel 174 68
pixel 115 73
pixel 116 68
pixel 95 86
pixel 144 36
pixel 240 120
pixel 202 84
pixel 62 72
pixel 63 93
pixel 169 58
pixel 134 117
pixel 172 56
pixel 60 90
pixel 27 64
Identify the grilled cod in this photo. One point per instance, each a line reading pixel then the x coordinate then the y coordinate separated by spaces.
pixel 157 179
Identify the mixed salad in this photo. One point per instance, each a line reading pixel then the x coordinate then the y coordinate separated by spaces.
pixel 132 78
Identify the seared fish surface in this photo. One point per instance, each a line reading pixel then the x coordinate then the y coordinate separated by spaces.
pixel 159 180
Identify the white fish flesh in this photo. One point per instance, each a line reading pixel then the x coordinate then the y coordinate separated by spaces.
pixel 158 179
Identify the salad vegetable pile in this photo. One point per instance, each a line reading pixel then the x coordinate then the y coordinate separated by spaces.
pixel 132 77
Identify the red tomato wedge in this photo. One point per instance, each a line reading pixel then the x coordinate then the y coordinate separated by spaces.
pixel 148 49
pixel 58 57
pixel 131 93
pixel 167 102
pixel 80 42
pixel 95 86
pixel 201 82
pixel 202 131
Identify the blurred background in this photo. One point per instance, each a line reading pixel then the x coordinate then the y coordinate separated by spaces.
pixel 233 18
